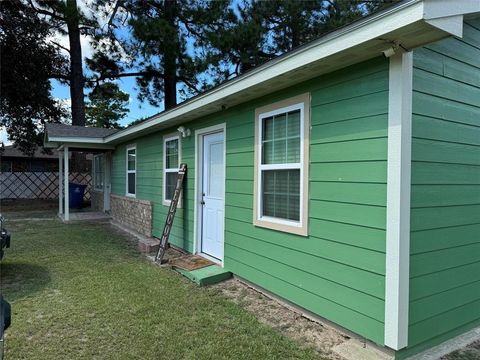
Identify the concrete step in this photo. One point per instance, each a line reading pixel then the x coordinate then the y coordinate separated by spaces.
pixel 207 275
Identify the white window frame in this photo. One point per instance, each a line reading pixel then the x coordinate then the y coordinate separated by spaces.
pixel 96 187
pixel 167 138
pixel 130 147
pixel 302 103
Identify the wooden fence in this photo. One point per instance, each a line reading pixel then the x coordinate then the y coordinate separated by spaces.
pixel 38 185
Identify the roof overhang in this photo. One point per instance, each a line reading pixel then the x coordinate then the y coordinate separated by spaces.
pixel 410 24
pixel 76 142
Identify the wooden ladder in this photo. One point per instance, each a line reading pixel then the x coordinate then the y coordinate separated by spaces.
pixel 171 213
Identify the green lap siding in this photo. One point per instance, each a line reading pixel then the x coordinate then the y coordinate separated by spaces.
pixel 338 271
pixel 445 197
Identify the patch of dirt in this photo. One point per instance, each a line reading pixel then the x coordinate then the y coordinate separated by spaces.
pixel 282 318
pixel 470 352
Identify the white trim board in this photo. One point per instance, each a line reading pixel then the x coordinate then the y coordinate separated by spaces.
pixel 127 149
pixel 166 138
pixel 197 221
pixel 398 200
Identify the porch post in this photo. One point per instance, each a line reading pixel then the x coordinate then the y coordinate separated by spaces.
pixel 66 172
pixel 60 184
pixel 107 158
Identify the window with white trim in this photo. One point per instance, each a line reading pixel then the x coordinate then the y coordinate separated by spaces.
pixel 131 170
pixel 98 172
pixel 171 164
pixel 280 173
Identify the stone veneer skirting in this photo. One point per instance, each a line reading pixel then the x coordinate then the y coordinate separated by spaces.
pixel 96 198
pixel 133 213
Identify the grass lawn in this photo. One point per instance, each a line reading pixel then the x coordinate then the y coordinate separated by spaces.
pixel 81 291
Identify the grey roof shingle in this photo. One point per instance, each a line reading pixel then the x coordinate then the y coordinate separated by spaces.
pixel 12 151
pixel 62 130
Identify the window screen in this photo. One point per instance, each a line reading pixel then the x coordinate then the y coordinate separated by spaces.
pixel 280 165
pixel 171 164
pixel 131 170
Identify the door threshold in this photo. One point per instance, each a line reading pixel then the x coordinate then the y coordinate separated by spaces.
pixel 211 258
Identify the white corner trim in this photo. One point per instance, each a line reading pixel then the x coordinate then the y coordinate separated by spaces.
pixel 398 200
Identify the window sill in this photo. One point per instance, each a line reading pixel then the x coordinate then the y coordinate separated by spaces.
pixel 168 202
pixel 300 229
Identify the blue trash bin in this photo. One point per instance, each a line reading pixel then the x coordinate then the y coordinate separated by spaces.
pixel 75 193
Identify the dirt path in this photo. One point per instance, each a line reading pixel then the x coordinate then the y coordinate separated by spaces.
pixel 284 319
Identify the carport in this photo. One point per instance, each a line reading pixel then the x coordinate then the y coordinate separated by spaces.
pixel 67 139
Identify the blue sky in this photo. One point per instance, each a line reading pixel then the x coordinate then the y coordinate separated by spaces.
pixel 137 109
pixel 61 92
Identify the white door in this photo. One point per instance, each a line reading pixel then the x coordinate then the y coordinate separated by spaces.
pixel 213 196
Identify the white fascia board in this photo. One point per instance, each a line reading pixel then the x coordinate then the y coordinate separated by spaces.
pixel 451 24
pixel 398 200
pixel 447 15
pixel 442 14
pixel 343 39
pixel 76 139
pixel 78 142
pixel 434 9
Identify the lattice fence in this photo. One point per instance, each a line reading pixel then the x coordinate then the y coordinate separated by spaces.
pixel 38 185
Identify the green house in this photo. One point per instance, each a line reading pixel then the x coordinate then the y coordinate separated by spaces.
pixel 343 177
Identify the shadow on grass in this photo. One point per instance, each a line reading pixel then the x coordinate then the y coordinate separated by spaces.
pixel 22 279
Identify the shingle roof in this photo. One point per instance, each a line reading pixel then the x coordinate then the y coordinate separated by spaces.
pixel 62 130
pixel 12 151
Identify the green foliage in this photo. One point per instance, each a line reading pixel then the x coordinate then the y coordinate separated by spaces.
pixel 27 64
pixel 257 31
pixel 173 49
pixel 159 52
pixel 107 106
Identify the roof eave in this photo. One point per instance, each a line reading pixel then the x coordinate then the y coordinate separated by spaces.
pixel 428 20
pixel 411 23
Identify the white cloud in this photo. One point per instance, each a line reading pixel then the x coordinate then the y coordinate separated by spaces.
pixel 4 137
pixel 85 7
pixel 85 41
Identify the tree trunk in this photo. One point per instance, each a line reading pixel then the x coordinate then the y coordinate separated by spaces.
pixel 170 59
pixel 76 65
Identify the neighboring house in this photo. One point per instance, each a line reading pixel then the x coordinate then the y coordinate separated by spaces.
pixel 28 177
pixel 14 160
pixel 343 177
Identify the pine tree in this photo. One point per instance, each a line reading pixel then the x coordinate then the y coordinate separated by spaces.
pixel 160 54
pixel 258 31
pixel 107 106
pixel 28 62
pixel 64 17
